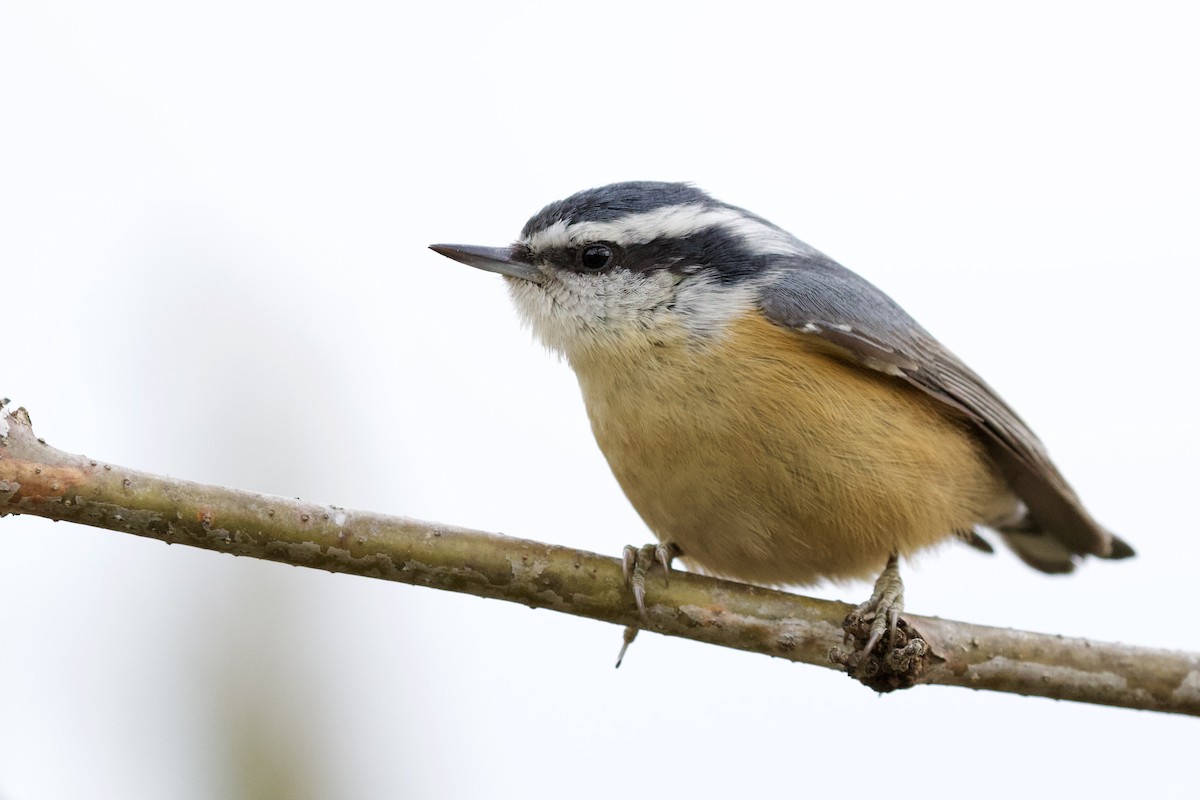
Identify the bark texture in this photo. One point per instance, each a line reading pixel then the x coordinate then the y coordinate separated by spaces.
pixel 38 479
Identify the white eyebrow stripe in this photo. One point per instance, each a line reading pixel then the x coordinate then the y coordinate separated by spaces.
pixel 669 222
pixel 764 239
pixel 552 236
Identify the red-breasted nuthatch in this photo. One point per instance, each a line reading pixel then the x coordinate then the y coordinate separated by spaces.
pixel 772 416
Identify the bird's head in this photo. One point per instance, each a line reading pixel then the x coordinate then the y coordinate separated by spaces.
pixel 634 264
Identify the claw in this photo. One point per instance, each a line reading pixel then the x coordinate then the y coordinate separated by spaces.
pixel 636 562
pixel 665 553
pixel 628 561
pixel 639 593
pixel 635 579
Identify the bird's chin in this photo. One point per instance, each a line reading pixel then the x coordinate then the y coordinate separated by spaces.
pixel 582 317
pixel 550 323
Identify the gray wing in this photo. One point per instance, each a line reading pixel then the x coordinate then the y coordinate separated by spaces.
pixel 815 296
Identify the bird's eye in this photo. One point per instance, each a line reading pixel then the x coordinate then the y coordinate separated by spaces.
pixel 595 257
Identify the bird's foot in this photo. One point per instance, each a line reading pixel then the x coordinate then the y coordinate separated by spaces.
pixel 882 611
pixel 638 561
pixel 896 665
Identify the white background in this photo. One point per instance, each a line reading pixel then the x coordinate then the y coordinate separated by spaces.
pixel 213 220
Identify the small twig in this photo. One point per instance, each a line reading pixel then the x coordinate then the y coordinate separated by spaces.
pixel 38 479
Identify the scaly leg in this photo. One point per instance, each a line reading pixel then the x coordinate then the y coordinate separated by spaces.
pixel 886 603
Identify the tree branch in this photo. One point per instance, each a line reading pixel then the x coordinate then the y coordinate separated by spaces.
pixel 38 479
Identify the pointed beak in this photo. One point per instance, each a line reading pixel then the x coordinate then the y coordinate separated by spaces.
pixel 493 259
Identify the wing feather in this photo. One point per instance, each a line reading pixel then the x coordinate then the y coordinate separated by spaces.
pixel 815 296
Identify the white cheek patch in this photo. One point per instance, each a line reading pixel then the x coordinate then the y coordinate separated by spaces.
pixel 622 311
pixel 706 308
pixel 670 222
pixel 572 312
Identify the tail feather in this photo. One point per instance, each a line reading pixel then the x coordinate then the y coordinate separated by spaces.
pixel 1120 548
pixel 1044 551
pixel 1040 551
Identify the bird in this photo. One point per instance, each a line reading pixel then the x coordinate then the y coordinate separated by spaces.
pixel 773 417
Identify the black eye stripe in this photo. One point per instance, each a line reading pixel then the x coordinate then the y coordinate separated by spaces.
pixel 711 250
